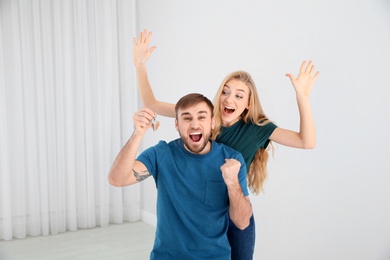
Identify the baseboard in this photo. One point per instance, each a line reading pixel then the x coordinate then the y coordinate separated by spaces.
pixel 149 218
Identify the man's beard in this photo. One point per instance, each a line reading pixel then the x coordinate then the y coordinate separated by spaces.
pixel 195 147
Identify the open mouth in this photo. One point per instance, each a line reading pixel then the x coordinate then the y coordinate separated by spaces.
pixel 229 110
pixel 195 137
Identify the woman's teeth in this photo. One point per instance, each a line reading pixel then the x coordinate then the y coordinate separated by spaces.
pixel 229 110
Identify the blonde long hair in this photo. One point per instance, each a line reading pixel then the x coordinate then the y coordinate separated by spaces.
pixel 257 172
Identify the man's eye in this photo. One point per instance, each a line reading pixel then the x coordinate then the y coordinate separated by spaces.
pixel 186 119
pixel 202 118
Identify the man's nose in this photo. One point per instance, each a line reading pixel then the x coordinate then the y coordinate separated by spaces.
pixel 194 123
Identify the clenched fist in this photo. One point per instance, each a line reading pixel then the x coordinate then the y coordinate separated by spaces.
pixel 230 170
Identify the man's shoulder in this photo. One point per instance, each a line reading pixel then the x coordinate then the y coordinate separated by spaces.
pixel 160 147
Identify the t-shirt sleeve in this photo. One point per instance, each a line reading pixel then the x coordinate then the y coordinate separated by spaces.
pixel 151 156
pixel 242 175
pixel 265 133
pixel 148 158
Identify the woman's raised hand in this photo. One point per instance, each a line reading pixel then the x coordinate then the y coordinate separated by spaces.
pixel 141 51
pixel 305 80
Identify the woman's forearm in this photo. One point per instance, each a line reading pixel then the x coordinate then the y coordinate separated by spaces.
pixel 147 96
pixel 307 127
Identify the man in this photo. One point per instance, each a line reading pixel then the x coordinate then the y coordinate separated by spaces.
pixel 200 183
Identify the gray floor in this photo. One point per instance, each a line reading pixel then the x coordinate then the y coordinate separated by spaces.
pixel 125 241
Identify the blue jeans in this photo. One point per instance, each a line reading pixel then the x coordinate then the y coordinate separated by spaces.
pixel 242 242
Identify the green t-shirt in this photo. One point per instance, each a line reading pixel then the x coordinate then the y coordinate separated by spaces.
pixel 246 138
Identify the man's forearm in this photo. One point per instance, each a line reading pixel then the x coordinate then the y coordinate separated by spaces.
pixel 240 210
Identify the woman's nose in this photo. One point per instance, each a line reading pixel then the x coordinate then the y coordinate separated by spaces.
pixel 228 97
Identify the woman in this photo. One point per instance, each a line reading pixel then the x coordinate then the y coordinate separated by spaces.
pixel 241 124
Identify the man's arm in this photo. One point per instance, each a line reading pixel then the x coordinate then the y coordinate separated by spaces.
pixel 125 170
pixel 240 210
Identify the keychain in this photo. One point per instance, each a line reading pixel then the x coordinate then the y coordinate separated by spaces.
pixel 155 124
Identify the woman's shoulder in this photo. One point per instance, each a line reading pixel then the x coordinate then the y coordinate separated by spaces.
pixel 261 123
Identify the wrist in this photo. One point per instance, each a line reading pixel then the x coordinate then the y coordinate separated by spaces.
pixel 233 186
pixel 138 134
pixel 302 97
pixel 140 65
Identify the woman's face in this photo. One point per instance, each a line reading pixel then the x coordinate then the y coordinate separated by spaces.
pixel 233 101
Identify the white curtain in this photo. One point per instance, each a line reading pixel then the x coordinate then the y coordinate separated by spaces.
pixel 67 95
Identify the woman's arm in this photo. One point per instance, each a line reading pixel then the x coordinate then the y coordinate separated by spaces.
pixel 306 137
pixel 141 53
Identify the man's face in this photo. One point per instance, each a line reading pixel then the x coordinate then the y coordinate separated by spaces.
pixel 194 124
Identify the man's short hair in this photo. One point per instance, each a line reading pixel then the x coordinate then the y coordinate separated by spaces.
pixel 191 100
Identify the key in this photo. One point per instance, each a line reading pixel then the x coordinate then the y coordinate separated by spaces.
pixel 154 124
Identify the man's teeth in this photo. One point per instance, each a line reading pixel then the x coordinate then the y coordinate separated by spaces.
pixel 195 136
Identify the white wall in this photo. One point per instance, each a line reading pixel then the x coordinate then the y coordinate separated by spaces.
pixel 328 203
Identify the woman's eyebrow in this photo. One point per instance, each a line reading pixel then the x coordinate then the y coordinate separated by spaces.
pixel 239 89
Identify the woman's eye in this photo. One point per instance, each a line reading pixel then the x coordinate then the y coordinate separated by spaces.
pixel 225 92
pixel 237 96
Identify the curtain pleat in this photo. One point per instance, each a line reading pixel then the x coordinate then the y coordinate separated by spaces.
pixel 67 91
pixel 5 194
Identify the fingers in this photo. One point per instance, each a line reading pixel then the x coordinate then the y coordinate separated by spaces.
pixel 144 117
pixel 291 76
pixel 230 170
pixel 144 37
pixel 148 36
pixel 303 65
pixel 230 163
pixel 308 69
pixel 316 75
pixel 152 49
pixel 143 42
pixel 304 68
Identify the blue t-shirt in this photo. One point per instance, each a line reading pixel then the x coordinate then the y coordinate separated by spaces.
pixel 246 138
pixel 192 201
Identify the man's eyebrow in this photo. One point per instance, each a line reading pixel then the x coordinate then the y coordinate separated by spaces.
pixel 185 114
pixel 189 114
pixel 203 112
